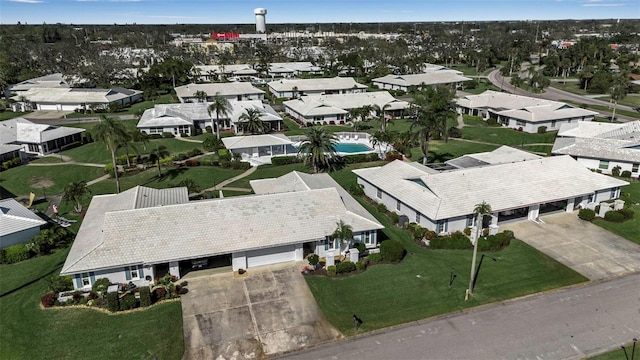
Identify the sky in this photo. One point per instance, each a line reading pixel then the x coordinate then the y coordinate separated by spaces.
pixel 305 11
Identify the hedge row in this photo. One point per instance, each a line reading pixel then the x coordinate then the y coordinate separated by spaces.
pixel 11 163
pixel 285 160
pixel 360 158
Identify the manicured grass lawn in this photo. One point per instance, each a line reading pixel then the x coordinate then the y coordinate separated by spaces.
pixel 22 179
pixel 633 114
pixel 440 151
pixel 143 105
pixel 269 171
pixel 28 332
pixel 129 124
pixel 506 136
pixel 629 229
pixel 204 176
pixel 618 353
pixel 47 160
pixel 97 152
pixel 466 70
pixel 6 115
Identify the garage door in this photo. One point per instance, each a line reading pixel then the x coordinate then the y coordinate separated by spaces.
pixel 49 107
pixel 270 256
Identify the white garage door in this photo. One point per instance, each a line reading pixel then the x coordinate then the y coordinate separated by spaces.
pixel 48 107
pixel 270 256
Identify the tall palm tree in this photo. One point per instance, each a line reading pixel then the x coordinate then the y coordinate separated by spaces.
pixel 200 95
pixel 619 90
pixel 381 112
pixel 343 233
pixel 432 117
pixel 220 106
pixel 252 123
pixel 480 210
pixel 319 149
pixel 111 132
pixel 158 154
pixel 74 192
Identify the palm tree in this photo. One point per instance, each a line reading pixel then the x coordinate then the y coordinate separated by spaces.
pixel 381 112
pixel 354 113
pixel 191 185
pixel 380 138
pixel 619 90
pixel 200 95
pixel 343 232
pixel 252 123
pixel 141 137
pixel 111 132
pixel 75 192
pixel 432 118
pixel 319 149
pixel 220 106
pixel 158 154
pixel 480 210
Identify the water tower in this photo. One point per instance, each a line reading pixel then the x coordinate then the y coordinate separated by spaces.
pixel 261 26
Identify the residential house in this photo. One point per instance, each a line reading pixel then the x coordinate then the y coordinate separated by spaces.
pixel 444 201
pixel 180 118
pixel 259 149
pixel 37 139
pixel 522 112
pixel 601 146
pixel 142 234
pixel 10 152
pixel 334 109
pixel 288 88
pixel 230 91
pixel 17 223
pixel 293 69
pixel 502 155
pixel 48 82
pixel 71 99
pixel 220 72
pixel 433 75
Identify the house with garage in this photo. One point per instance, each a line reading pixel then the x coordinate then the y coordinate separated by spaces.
pixel 219 72
pixel 259 149
pixel 522 112
pixel 180 118
pixel 293 69
pixel 444 201
pixel 71 99
pixel 600 146
pixel 288 88
pixel 334 109
pixel 142 234
pixel 17 223
pixel 37 139
pixel 433 77
pixel 48 82
pixel 231 91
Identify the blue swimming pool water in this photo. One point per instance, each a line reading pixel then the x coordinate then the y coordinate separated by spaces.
pixel 352 148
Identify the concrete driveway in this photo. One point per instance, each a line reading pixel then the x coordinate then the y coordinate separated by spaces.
pixel 269 311
pixel 586 248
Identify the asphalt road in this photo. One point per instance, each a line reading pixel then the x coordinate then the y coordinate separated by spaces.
pixel 570 323
pixel 552 93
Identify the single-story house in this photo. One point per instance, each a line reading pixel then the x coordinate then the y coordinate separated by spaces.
pixel 48 81
pixel 334 109
pixel 10 152
pixel 179 118
pixel 291 69
pixel 37 139
pixel 70 99
pixel 522 112
pixel 259 149
pixel 298 87
pixel 502 155
pixel 132 237
pixel 17 223
pixel 444 201
pixel 601 146
pixel 418 81
pixel 231 91
pixel 218 72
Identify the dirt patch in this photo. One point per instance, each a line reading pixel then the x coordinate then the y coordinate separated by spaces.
pixel 40 182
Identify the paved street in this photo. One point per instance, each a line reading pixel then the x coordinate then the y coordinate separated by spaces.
pixel 566 324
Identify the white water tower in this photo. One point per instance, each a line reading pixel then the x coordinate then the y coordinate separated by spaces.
pixel 261 26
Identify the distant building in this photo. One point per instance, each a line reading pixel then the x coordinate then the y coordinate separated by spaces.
pixel 71 99
pixel 319 86
pixel 231 91
pixel 49 82
pixel 433 75
pixel 37 139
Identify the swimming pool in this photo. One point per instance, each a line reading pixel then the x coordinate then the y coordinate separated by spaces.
pixel 349 148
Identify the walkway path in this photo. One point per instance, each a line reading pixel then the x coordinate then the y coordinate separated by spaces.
pixel 231 180
pixel 189 140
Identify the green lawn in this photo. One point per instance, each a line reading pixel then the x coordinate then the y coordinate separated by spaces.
pixel 6 115
pixel 24 179
pixel 441 151
pixel 267 172
pixel 204 176
pixel 96 152
pixel 29 332
pixel 466 70
pixel 506 136
pixel 618 353
pixel 47 160
pixel 142 105
pixel 630 228
pixel 633 114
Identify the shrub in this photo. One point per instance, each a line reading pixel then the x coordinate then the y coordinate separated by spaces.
pixel 586 214
pixel 626 174
pixel 381 208
pixel 456 241
pixel 158 294
pixel 360 246
pixel 356 189
pixel 375 257
pixel 467 231
pixel 167 135
pixel 614 216
pixel 616 170
pixel 393 156
pixel 494 242
pixel 429 235
pixel 361 265
pixel 454 132
pixel 238 165
pixel 60 283
pixel 492 122
pixel 48 299
pixel 345 267
pixel 16 253
pixel 191 163
pixel 285 160
pixel 542 130
pixel 127 302
pixel 394 217
pixel 331 270
pixel 392 250
pixel 313 259
pixel 112 302
pixel 194 152
pixel 627 213
pixel 101 285
pixel 145 296
pixel 181 156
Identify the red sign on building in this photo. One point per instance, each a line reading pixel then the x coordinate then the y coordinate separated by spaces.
pixel 225 35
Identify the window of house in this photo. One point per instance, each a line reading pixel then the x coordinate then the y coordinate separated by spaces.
pixel 155 130
pixel 634 168
pixel 326 243
pixel 379 193
pixel 34 147
pixel 520 123
pixel 134 273
pixel 86 279
pixel 417 217
pixel 318 118
pixel 398 205
pixel 368 237
pixel 604 165
pixel 470 221
pixel 553 123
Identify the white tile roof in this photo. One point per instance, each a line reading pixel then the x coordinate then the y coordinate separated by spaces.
pixel 77 95
pixel 504 186
pixel 239 69
pixel 212 227
pixel 292 67
pixel 600 141
pixel 501 155
pixel 523 107
pixel 313 105
pixel 47 81
pixel 429 78
pixel 317 84
pixel 14 217
pixel 5 149
pixel 21 130
pixel 224 89
pixel 242 142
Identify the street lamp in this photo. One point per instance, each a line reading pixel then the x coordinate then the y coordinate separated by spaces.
pixel 633 350
pixel 475 278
